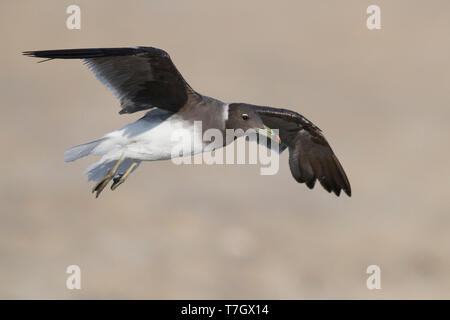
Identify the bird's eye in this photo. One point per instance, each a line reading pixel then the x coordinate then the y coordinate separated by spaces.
pixel 245 116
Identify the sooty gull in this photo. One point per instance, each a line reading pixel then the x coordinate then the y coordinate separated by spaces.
pixel 145 78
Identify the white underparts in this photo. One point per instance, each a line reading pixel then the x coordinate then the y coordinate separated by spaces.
pixel 148 139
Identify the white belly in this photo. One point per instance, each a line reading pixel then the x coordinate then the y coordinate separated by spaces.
pixel 150 139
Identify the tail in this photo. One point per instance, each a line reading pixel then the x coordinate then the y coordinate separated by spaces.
pixel 81 151
pixel 101 147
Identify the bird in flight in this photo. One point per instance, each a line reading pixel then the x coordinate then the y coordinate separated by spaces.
pixel 144 78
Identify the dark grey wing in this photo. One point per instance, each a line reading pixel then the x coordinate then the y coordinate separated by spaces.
pixel 310 156
pixel 140 77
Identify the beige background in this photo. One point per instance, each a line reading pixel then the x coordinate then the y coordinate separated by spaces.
pixel 381 98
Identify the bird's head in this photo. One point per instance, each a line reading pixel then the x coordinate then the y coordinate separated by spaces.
pixel 244 117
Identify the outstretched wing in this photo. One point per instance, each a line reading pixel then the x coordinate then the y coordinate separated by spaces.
pixel 310 156
pixel 140 77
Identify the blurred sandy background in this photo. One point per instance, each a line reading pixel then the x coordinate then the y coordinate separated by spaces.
pixel 381 98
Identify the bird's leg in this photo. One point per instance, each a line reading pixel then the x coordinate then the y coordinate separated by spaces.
pixel 107 178
pixel 122 177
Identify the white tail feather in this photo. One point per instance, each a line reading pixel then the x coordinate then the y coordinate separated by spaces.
pixel 81 150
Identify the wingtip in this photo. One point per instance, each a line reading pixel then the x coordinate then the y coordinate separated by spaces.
pixel 34 54
pixel 346 188
pixel 348 191
pixel 28 53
